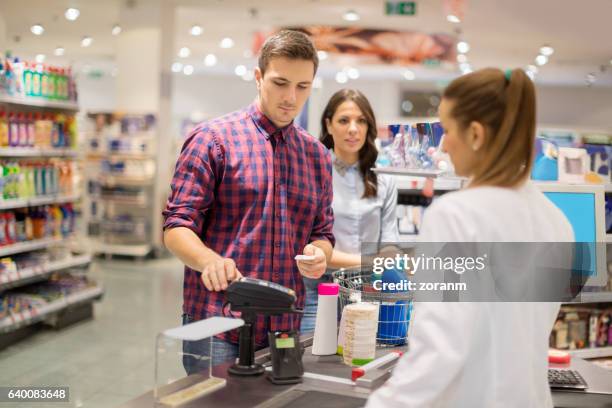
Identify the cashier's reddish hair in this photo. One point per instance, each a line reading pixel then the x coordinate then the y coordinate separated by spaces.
pixel 505 104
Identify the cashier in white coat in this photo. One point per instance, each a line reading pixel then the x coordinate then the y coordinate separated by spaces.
pixel 483 354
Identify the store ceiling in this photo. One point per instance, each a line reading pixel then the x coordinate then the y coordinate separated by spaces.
pixel 500 33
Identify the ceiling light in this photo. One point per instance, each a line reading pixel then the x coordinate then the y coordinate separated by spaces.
pixel 248 76
pixel 465 68
pixel 188 69
pixel 184 52
pixel 72 14
pixel 226 43
pixel 341 78
pixel 116 30
pixel 177 67
pixel 86 41
pixel 531 75
pixel 59 51
pixel 196 30
pixel 461 58
pixel 590 78
pixel 532 68
pixel 541 59
pixel 409 75
pixel 547 50
pixel 451 18
pixel 210 60
pixel 40 58
pixel 463 47
pixel 37 29
pixel 351 15
pixel 240 70
pixel 352 73
pixel 323 55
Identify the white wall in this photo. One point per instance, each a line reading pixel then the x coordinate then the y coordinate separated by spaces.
pixel 96 94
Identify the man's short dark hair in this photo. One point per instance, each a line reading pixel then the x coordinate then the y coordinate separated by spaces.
pixel 289 44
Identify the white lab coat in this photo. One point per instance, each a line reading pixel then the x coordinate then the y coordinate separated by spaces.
pixel 480 354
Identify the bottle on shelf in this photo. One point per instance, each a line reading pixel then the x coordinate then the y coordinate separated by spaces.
pixel 27 79
pixel 36 80
pixel 4 129
pixel 13 139
pixel 23 130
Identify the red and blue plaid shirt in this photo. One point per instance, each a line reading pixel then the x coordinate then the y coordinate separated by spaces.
pixel 256 194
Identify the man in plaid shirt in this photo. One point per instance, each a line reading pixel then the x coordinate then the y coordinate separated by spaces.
pixel 251 190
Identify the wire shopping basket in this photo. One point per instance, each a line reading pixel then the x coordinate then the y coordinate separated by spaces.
pixel 395 307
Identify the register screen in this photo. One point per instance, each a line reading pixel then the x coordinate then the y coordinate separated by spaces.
pixel 579 208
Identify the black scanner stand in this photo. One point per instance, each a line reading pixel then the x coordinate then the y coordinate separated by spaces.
pixel 254 297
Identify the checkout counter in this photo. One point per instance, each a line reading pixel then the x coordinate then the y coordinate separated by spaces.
pixel 327 383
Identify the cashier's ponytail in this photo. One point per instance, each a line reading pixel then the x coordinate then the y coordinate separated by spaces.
pixel 505 104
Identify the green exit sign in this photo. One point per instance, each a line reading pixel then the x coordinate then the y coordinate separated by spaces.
pixel 401 8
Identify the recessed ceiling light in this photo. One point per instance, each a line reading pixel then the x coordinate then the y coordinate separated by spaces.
pixel 451 18
pixel 226 43
pixel 248 76
pixel 116 30
pixel 188 69
pixel 541 59
pixel 240 70
pixel 351 15
pixel 461 58
pixel 547 50
pixel 210 60
pixel 463 47
pixel 531 75
pixel 59 51
pixel 352 73
pixel 196 30
pixel 177 67
pixel 532 68
pixel 322 55
pixel 590 78
pixel 408 75
pixel 86 41
pixel 37 29
pixel 40 58
pixel 341 77
pixel 184 52
pixel 72 14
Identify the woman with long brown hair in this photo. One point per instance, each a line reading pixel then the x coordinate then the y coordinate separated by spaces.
pixel 469 354
pixel 364 203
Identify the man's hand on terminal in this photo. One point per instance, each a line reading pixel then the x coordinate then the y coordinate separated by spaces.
pixel 217 274
pixel 313 268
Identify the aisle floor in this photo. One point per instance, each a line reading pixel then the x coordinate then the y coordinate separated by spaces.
pixel 110 359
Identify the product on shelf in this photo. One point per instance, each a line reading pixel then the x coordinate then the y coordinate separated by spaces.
pixel 27 79
pixel 582 327
pixel 25 224
pixel 416 146
pixel 32 178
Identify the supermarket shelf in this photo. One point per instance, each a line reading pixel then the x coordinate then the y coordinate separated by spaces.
pixel 29 317
pixel 35 201
pixel 595 352
pixel 36 152
pixel 400 171
pixel 35 273
pixel 126 181
pixel 31 245
pixel 137 202
pixel 416 184
pixel 39 103
pixel 128 250
pixel 120 156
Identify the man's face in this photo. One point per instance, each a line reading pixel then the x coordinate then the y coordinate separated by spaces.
pixel 284 88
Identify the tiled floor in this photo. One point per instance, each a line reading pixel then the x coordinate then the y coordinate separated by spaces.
pixel 110 359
